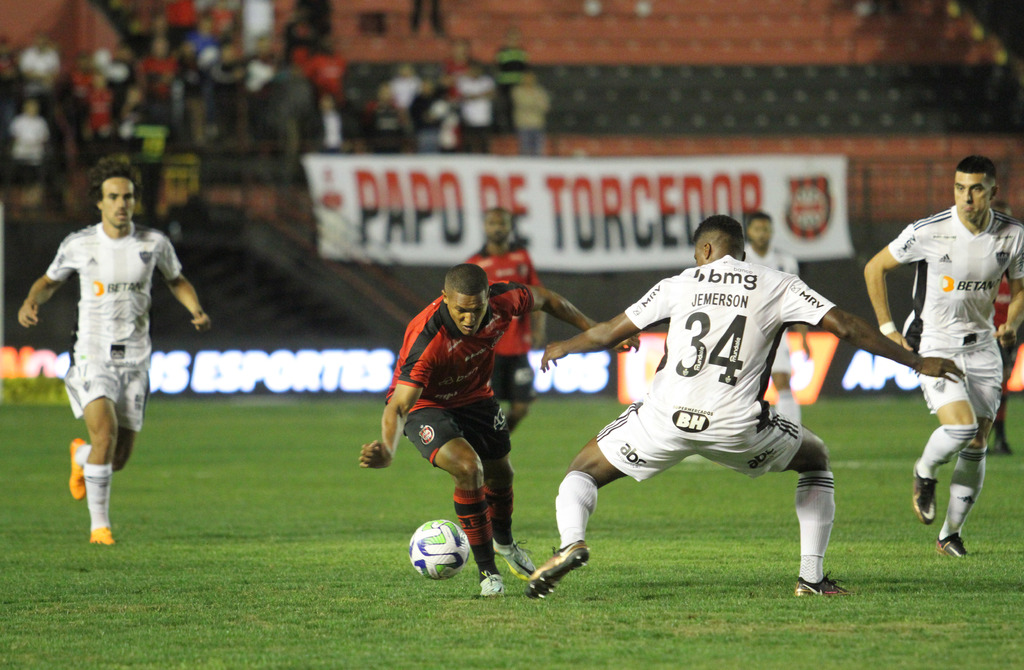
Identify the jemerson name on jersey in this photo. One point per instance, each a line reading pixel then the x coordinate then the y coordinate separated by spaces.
pixel 721 299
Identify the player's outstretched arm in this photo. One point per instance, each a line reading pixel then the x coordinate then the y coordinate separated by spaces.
pixel 562 309
pixel 863 335
pixel 601 336
pixel 42 290
pixel 378 454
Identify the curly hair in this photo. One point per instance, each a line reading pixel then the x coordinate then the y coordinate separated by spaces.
pixel 110 167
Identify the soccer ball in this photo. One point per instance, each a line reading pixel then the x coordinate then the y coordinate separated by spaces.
pixel 438 549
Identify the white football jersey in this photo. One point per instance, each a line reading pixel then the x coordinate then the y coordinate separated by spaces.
pixel 725 320
pixel 115 277
pixel 775 259
pixel 958 276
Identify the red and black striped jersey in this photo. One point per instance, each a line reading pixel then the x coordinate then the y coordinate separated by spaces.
pixel 514 266
pixel 453 369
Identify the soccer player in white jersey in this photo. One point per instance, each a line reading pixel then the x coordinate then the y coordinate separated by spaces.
pixel 108 382
pixel 760 250
pixel 960 254
pixel 725 318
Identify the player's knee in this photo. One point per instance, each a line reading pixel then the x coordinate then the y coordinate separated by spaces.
pixel 467 470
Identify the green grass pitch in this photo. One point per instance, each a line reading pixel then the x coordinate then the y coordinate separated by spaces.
pixel 248 537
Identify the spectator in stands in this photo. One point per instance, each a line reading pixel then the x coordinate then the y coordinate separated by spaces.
pixel 292 111
pixel 208 55
pixel 457 64
pixel 428 111
pixel 257 23
pixel 385 124
pixel 259 75
pixel 326 70
pixel 190 109
pixel 476 100
pixel 182 19
pixel 405 85
pixel 530 105
pixel 120 73
pixel 227 76
pixel 330 119
pixel 30 136
pixel 99 124
pixel 10 89
pixel 39 64
pixel 224 19
pixel 131 114
pixel 511 63
pixel 79 83
pixel 157 71
pixel 300 38
pixel 450 137
pixel 318 12
pixel 435 16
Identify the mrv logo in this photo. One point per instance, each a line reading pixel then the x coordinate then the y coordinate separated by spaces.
pixel 748 282
pixel 690 423
pixel 631 455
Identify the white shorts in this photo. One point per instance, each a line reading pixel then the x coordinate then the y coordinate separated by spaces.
pixel 128 388
pixel 641 443
pixel 782 363
pixel 982 384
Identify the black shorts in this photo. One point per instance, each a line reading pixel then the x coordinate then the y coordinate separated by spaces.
pixel 513 379
pixel 482 424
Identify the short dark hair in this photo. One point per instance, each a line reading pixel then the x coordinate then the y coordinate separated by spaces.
pixel 467 279
pixel 725 226
pixel 977 165
pixel 757 214
pixel 110 167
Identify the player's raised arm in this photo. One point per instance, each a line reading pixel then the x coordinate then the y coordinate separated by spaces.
pixel 41 291
pixel 860 333
pixel 601 336
pixel 378 454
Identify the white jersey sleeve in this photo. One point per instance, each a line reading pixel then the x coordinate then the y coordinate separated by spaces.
pixel 725 321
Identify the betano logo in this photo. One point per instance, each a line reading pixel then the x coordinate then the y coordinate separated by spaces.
pixel 636 369
pixel 97 288
pixel 950 284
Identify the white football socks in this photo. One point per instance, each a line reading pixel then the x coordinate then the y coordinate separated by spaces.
pixel 943 444
pixel 82 454
pixel 964 489
pixel 815 510
pixel 576 501
pixel 97 492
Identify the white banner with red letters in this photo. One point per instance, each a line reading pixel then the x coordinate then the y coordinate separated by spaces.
pixel 575 214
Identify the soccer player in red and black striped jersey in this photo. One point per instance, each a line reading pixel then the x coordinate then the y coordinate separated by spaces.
pixel 440 398
pixel 506 260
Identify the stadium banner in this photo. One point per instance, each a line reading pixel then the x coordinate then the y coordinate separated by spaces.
pixel 829 371
pixel 575 215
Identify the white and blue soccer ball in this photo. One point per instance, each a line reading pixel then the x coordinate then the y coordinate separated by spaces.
pixel 439 549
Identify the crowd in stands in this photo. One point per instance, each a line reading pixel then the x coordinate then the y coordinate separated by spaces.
pixel 191 75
